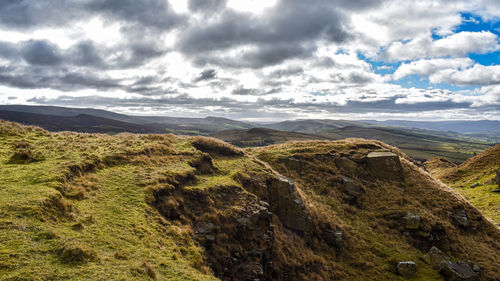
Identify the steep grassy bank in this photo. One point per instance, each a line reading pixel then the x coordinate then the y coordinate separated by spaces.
pixel 475 179
pixel 163 207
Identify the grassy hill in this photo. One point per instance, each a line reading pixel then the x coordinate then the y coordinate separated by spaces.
pixel 163 207
pixel 312 126
pixel 261 137
pixel 480 169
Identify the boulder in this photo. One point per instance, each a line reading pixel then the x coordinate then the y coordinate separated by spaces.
pixel 457 271
pixel 203 228
pixel 385 165
pixel 496 190
pixel 434 257
pixel 474 185
pixel 407 268
pixel 351 190
pixel 411 221
pixel 459 218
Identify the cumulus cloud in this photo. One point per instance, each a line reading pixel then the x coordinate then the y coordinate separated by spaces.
pixel 427 67
pixel 455 45
pixel 477 75
pixel 461 72
pixel 288 30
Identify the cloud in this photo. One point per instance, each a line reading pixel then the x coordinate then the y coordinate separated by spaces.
pixel 207 74
pixel 28 14
pixel 427 67
pixel 149 13
pixel 477 75
pixel 455 45
pixel 461 72
pixel 286 31
pixel 206 5
pixel 39 77
pixel 41 52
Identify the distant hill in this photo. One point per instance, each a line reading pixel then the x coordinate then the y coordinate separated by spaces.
pixel 417 145
pixel 179 125
pixel 311 126
pixel 79 123
pixel 474 179
pixel 262 137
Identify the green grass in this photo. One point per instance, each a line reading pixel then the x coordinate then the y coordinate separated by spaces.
pixel 480 169
pixel 112 234
pixel 481 196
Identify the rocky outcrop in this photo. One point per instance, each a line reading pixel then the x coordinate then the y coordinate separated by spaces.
pixel 385 165
pixel 287 205
pixel 238 240
pixel 450 270
pixel 457 271
pixel 434 257
pixel 283 198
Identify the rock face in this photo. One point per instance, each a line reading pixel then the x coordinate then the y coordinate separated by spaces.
pixel 385 165
pixel 407 268
pixel 287 205
pixel 218 226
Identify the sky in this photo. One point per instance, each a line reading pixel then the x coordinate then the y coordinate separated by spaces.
pixel 255 60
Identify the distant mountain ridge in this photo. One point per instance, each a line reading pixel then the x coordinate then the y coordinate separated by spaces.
pixel 150 124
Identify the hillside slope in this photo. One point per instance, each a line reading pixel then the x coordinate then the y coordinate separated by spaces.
pixel 475 179
pixel 163 207
pixel 261 137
